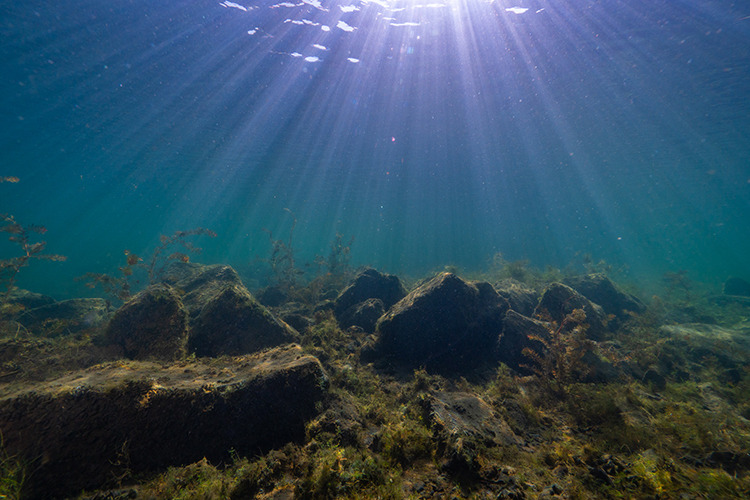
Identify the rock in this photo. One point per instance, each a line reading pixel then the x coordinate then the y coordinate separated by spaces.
pixel 600 290
pixel 272 296
pixel 455 414
pixel 87 429
pixel 560 300
pixel 365 315
pixel 153 324
pixel 737 286
pixel 445 324
pixel 298 321
pixel 28 300
pixel 515 338
pixel 340 422
pixel 199 284
pixel 225 318
pixel 462 423
pixel 65 317
pixel 698 341
pixel 233 322
pixel 369 284
pixel 521 299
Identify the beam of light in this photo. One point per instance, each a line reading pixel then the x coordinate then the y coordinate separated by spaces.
pixel 434 132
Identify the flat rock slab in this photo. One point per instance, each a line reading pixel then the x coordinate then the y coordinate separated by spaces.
pixel 453 415
pixel 92 428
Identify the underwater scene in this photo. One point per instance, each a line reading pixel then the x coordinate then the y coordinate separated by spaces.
pixel 320 249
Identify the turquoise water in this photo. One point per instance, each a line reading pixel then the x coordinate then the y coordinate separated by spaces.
pixel 436 132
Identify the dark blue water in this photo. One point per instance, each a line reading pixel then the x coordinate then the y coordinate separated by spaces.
pixel 433 132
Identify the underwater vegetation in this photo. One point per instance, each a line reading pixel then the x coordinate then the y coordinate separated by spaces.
pixel 25 238
pixel 120 287
pixel 30 250
pixel 560 362
pixel 288 280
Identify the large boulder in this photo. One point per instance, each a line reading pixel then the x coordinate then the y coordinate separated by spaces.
pixel 151 325
pixel 233 322
pixel 199 284
pixel 560 300
pixel 445 324
pixel 369 284
pixel 89 428
pixel 600 290
pixel 224 317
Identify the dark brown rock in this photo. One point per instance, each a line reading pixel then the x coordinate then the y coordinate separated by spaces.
pixel 225 318
pixel 600 290
pixel 153 324
pixel 560 300
pixel 370 284
pixel 199 284
pixel 446 324
pixel 85 430
pixel 232 322
pixel 365 315
pixel 521 299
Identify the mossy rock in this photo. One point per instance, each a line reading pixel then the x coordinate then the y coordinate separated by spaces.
pixel 233 322
pixel 151 325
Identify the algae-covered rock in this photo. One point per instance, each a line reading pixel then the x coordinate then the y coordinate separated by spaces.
pixel 87 429
pixel 365 315
pixel 199 284
pixel 446 324
pixel 560 300
pixel 65 317
pixel 225 318
pixel 233 322
pixel 521 299
pixel 369 284
pixel 28 300
pixel 153 324
pixel 463 423
pixel 600 290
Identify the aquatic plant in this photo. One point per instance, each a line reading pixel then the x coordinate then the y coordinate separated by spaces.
pixel 338 258
pixel 158 262
pixel 23 237
pixel 560 362
pixel 284 272
pixel 121 288
pixel 116 287
pixel 332 274
pixel 593 267
pixel 12 474
pixel 517 270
